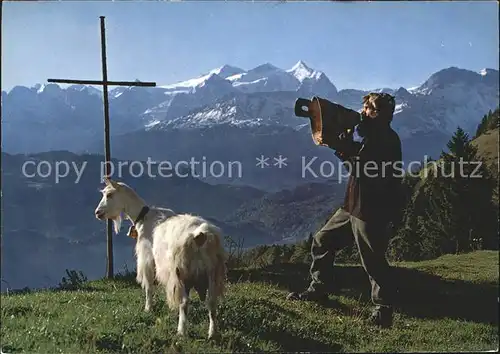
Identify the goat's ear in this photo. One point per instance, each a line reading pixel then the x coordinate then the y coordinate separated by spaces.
pixel 109 182
pixel 200 239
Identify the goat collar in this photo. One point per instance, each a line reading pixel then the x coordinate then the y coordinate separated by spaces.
pixel 132 231
pixel 142 214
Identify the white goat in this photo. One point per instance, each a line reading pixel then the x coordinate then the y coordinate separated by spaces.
pixel 184 251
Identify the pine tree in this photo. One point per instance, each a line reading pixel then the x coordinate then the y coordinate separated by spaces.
pixel 494 120
pixel 482 126
pixel 488 122
pixel 459 147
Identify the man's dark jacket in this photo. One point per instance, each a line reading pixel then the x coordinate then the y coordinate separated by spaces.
pixel 374 191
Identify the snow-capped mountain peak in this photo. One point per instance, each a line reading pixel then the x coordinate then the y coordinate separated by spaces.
pixel 264 78
pixel 226 71
pixel 301 71
pixel 489 76
pixel 312 82
pixel 86 88
pixel 301 65
pixel 48 88
pixel 454 76
pixel 264 69
pixel 214 77
pixel 188 84
pixel 39 88
pixel 214 83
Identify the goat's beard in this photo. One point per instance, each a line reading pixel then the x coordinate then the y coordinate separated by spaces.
pixel 117 222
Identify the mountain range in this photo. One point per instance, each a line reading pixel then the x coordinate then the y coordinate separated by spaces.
pixel 250 111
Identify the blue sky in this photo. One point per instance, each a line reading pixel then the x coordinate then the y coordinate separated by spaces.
pixel 358 45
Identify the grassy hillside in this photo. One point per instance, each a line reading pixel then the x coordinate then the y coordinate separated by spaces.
pixel 448 304
pixel 487 147
pixel 486 142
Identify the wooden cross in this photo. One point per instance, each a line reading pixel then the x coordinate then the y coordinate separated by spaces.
pixel 105 83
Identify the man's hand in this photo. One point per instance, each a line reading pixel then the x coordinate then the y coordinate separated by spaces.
pixel 347 135
pixel 347 146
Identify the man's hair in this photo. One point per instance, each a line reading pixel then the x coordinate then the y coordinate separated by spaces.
pixel 383 102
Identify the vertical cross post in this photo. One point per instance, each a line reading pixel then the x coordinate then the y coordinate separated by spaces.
pixel 107 153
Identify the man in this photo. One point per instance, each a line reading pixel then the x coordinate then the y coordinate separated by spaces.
pixel 370 203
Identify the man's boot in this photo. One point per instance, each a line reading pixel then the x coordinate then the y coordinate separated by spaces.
pixel 381 316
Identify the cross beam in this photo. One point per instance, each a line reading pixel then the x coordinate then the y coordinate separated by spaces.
pixel 100 82
pixel 105 83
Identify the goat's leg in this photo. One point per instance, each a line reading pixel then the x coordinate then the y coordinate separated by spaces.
pixel 212 316
pixel 183 311
pixel 145 276
pixel 149 297
pixel 149 286
pixel 212 309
